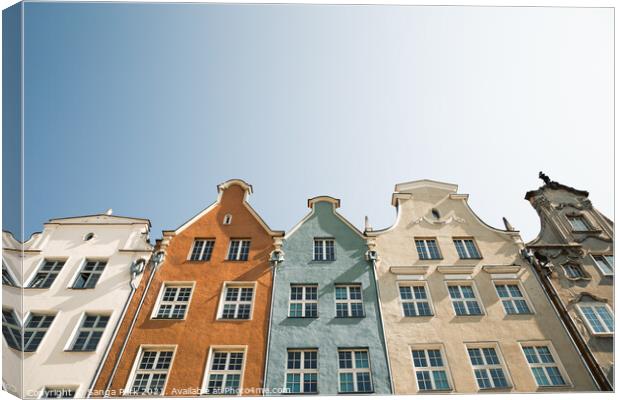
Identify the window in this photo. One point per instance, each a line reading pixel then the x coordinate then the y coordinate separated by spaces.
pixel 578 223
pixel 58 393
pixel 227 219
pixel 237 302
pixel 599 318
pixel 414 300
pixel 224 374
pixel 349 301
pixel 488 367
pixel 90 332
pixel 152 371
pixel 89 275
pixel 174 302
pixel 431 372
pixel 427 249
pixel 303 301
pixel 46 275
pixel 302 371
pixel 7 278
pixel 324 250
pixel 573 271
pixel 435 214
pixel 35 328
pixel 466 248
pixel 202 250
pixel 544 368
pixel 89 236
pixel 512 298
pixel 464 300
pixel 239 250
pixel 354 371
pixel 11 329
pixel 604 262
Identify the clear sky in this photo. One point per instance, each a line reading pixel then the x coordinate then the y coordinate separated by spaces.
pixel 145 108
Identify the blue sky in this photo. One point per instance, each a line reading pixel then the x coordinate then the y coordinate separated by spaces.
pixel 145 108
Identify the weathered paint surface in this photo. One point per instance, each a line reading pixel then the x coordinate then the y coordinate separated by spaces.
pixel 325 333
pixel 201 330
pixel 399 263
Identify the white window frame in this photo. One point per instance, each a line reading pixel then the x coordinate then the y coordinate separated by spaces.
pixel 160 299
pixel 476 294
pixel 135 370
pixel 583 273
pixel 303 300
pixel 462 239
pixel 11 277
pixel 355 370
pixel 18 327
pixel 429 368
pixel 426 248
pixel 415 301
pixel 348 301
pixel 33 276
pixel 593 305
pixel 604 256
pixel 302 371
pixel 79 328
pixel 524 296
pixel 557 363
pixel 223 301
pixel 98 261
pixel 502 364
pixel 202 251
pixel 323 247
pixel 227 219
pixel 238 253
pixel 225 349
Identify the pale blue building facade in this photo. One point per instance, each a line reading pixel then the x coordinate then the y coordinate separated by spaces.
pixel 326 335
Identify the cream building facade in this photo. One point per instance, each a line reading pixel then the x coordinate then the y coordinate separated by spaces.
pixel 574 255
pixel 462 309
pixel 64 292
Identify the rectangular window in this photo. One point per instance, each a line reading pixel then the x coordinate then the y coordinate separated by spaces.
pixel 354 371
pixel 427 249
pixel 349 301
pixel 202 250
pixel 302 371
pixel 464 300
pixel 7 279
pixel 90 332
pixel 488 367
pixel 512 298
pixel 545 369
pixel 414 300
pixel 598 316
pixel 324 250
pixel 152 372
pixel 224 373
pixel 604 262
pixel 237 302
pixel 578 223
pixel 303 301
pixel 46 274
pixel 58 393
pixel 573 271
pixel 11 329
pixel 466 248
pixel 239 250
pixel 89 275
pixel 34 330
pixel 174 302
pixel 431 371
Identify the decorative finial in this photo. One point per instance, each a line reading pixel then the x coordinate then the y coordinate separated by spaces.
pixel 544 177
pixel 367 226
pixel 507 225
pixel 108 212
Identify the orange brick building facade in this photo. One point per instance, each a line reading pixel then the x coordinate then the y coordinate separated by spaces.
pixel 202 315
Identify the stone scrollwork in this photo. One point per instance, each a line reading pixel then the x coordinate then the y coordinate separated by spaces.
pixel 446 221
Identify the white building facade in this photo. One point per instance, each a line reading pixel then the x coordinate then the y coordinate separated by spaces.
pixel 64 292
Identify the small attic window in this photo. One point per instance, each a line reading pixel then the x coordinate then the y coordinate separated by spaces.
pixel 89 236
pixel 227 219
pixel 435 213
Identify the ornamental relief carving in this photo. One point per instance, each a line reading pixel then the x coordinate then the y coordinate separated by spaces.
pixel 445 221
pixel 581 204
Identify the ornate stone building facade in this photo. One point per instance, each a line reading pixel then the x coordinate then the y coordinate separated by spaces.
pixel 573 254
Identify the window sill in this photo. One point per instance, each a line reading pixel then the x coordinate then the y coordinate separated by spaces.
pixel 233 319
pixel 167 319
pixel 362 393
pixel 316 317
pixel 300 393
pixel 350 317
pixel 418 316
pixel 602 334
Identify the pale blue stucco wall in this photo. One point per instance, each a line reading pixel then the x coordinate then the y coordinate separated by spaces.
pixel 325 333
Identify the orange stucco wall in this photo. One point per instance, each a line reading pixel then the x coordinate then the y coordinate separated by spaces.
pixel 200 330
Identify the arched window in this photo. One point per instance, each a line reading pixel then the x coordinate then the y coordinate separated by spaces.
pixel 227 219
